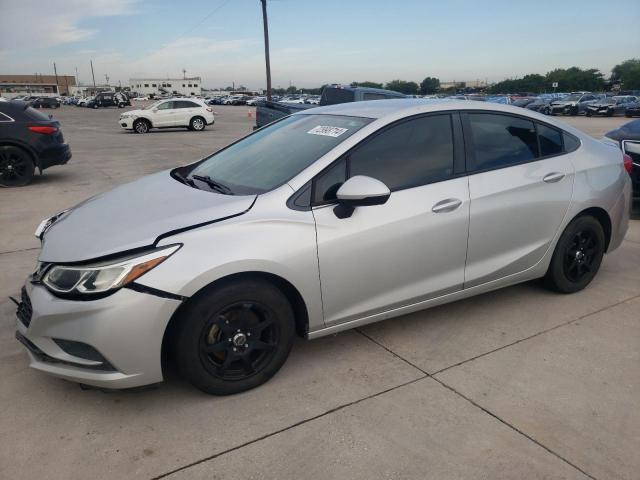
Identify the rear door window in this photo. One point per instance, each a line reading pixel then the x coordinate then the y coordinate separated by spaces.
pixel 500 141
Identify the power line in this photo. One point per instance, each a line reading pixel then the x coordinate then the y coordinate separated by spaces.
pixel 204 19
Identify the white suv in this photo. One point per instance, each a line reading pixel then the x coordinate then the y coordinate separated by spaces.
pixel 191 113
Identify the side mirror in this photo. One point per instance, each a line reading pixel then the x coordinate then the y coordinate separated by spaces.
pixel 360 191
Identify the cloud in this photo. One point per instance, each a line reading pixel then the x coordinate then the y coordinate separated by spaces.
pixel 62 23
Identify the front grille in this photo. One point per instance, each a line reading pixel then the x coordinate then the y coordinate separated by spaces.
pixel 24 311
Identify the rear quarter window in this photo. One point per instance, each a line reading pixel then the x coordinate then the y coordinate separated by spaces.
pixel 571 143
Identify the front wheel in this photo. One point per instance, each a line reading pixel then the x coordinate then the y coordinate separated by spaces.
pixel 235 337
pixel 95 105
pixel 577 256
pixel 141 126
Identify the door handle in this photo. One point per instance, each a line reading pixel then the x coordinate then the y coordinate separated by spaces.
pixel 553 177
pixel 448 205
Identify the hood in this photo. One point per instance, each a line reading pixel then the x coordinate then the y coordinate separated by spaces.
pixel 563 102
pixel 628 131
pixel 134 215
pixel 137 112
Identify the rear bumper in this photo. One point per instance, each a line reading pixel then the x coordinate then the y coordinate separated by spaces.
pixel 58 155
pixel 125 329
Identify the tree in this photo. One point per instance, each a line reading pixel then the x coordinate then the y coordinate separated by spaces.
pixel 402 86
pixel 529 83
pixel 575 78
pixel 429 85
pixel 291 89
pixel 366 84
pixel 627 73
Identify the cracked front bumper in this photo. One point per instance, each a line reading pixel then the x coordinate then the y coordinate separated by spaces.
pixel 126 328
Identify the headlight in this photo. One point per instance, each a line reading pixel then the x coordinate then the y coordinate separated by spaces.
pixel 104 277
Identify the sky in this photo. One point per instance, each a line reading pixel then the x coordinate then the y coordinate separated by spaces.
pixel 315 42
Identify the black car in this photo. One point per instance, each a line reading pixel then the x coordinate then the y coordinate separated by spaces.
pixel 108 99
pixel 45 102
pixel 29 139
pixel 632 109
pixel 628 139
pixel 610 106
pixel 540 105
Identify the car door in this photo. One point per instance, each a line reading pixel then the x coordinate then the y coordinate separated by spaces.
pixel 185 111
pixel 520 187
pixel 164 115
pixel 413 247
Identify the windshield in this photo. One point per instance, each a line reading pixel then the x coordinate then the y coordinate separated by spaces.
pixel 572 98
pixel 276 153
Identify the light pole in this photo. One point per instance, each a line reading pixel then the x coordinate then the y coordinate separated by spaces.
pixel 93 76
pixel 266 47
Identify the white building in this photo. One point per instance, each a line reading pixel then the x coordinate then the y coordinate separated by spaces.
pixel 157 86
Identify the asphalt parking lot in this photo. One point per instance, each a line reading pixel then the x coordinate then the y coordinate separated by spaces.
pixel 518 383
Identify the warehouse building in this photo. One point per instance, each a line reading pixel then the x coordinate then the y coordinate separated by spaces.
pixel 41 85
pixel 172 86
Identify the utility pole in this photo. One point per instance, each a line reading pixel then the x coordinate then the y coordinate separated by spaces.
pixel 266 47
pixel 106 77
pixel 77 78
pixel 184 74
pixel 56 73
pixel 92 75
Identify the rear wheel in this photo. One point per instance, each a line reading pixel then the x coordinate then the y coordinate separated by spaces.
pixel 95 105
pixel 141 126
pixel 16 167
pixel 121 105
pixel 197 124
pixel 235 338
pixel 577 256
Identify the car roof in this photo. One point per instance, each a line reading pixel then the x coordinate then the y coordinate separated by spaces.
pixel 404 107
pixel 390 107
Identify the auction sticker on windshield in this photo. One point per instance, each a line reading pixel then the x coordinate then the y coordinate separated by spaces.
pixel 327 131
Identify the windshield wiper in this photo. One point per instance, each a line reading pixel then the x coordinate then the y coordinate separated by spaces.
pixel 220 187
pixel 183 179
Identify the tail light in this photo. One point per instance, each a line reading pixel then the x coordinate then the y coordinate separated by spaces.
pixel 628 163
pixel 209 109
pixel 45 130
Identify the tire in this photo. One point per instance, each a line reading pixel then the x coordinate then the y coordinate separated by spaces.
pixel 628 115
pixel 197 124
pixel 574 111
pixel 577 256
pixel 141 126
pixel 588 114
pixel 16 167
pixel 216 347
pixel 95 106
pixel 121 105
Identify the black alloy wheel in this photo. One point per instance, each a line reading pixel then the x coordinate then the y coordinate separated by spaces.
pixel 239 341
pixel 16 167
pixel 580 254
pixel 235 336
pixel 577 256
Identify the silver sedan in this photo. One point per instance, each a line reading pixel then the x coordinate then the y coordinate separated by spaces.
pixel 325 220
